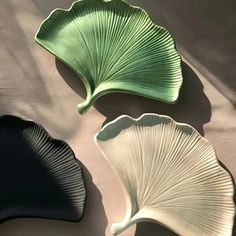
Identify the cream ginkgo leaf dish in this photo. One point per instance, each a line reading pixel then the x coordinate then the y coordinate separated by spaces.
pixel 113 47
pixel 169 174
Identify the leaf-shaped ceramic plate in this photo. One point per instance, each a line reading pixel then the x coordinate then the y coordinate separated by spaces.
pixel 39 175
pixel 114 46
pixel 170 174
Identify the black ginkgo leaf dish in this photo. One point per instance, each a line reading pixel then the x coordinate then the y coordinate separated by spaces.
pixel 39 175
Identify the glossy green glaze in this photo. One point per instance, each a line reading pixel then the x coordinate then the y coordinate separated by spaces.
pixel 114 47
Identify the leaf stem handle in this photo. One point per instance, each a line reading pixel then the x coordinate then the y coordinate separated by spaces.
pixel 118 228
pixel 84 106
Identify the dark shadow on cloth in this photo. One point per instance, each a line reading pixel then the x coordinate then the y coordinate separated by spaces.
pixel 46 9
pixel 193 106
pixel 94 213
pixel 233 181
pixel 153 229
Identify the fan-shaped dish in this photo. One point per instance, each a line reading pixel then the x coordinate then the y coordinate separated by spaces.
pixel 113 47
pixel 170 174
pixel 39 175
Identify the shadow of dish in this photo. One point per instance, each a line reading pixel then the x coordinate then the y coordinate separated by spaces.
pixel 152 229
pixel 233 181
pixel 94 221
pixel 193 106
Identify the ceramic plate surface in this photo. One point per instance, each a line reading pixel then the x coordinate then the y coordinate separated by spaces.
pixel 114 47
pixel 170 175
pixel 39 175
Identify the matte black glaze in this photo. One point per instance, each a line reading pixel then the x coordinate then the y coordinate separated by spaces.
pixel 39 175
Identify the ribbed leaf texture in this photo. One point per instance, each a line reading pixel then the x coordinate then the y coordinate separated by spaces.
pixel 170 174
pixel 114 46
pixel 39 175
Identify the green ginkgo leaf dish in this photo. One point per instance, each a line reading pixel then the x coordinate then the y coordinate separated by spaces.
pixel 114 47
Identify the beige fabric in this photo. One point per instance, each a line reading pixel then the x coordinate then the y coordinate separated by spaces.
pixel 32 86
